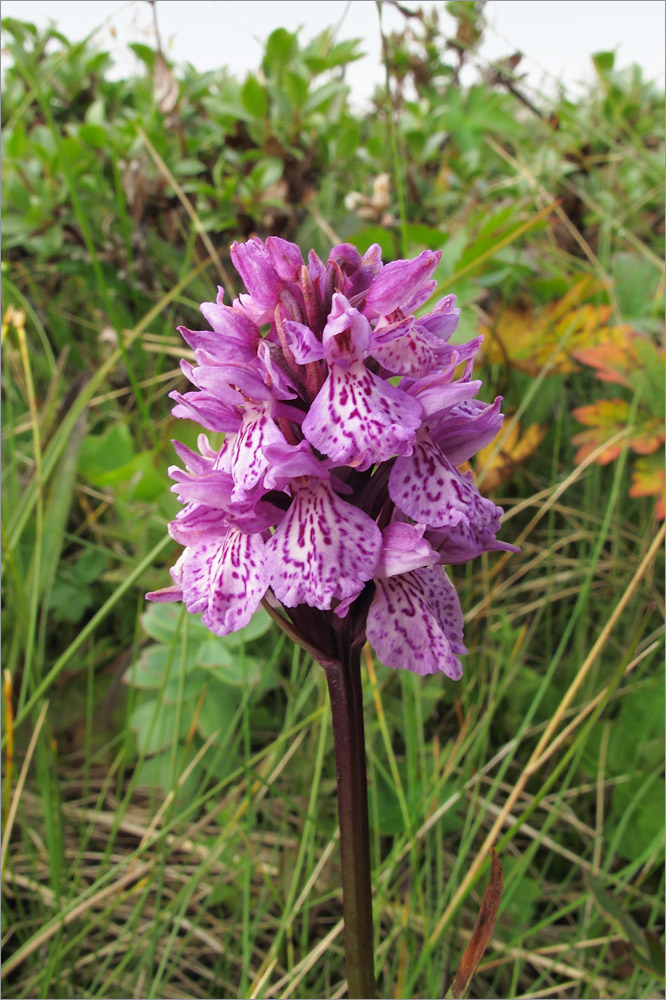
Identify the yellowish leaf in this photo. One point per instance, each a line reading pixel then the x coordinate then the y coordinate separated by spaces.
pixel 530 340
pixel 517 447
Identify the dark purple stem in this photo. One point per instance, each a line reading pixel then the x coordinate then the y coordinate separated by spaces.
pixel 344 686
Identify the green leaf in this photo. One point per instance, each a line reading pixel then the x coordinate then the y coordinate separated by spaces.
pixel 156 725
pixel 213 653
pixel 258 625
pixel 105 452
pixel 162 621
pixel 144 53
pixel 217 713
pixel 281 47
pixel 94 135
pixel 644 816
pixel 239 672
pixel 603 61
pixel 254 98
pixel 612 908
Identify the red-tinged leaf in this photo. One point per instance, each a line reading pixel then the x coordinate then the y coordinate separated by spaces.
pixel 613 362
pixel 610 413
pixel 606 417
pixel 548 339
pixel 647 437
pixel 648 480
pixel 483 930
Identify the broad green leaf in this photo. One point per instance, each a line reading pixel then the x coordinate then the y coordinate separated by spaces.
pixel 217 711
pixel 156 725
pixel 254 98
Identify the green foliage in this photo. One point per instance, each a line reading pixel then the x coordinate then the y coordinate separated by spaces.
pixel 193 686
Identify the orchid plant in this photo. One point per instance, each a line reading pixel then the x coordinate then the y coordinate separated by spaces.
pixel 335 498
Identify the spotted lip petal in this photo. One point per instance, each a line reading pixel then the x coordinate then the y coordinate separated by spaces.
pixel 411 626
pixel 225 578
pixel 359 419
pixel 428 488
pixel 324 549
pixel 248 462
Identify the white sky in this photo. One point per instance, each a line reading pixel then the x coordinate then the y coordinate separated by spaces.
pixel 556 36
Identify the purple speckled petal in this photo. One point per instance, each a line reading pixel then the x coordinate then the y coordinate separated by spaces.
pixel 416 353
pixel 195 522
pixel 302 342
pixel 442 598
pixel 466 428
pixel 238 581
pixel 358 419
pixel 428 488
pixel 347 333
pixel 408 632
pixel 323 549
pixel 248 462
pixel 465 542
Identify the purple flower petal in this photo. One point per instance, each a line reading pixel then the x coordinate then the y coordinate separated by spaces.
pixel 302 342
pixel 466 428
pixel 359 419
pixel 248 462
pixel 438 391
pixel 416 353
pixel 347 333
pixel 165 595
pixel 288 461
pixel 405 549
pixel 412 627
pixel 255 265
pixel 442 318
pixel 324 549
pixel 225 579
pixel 428 488
pixel 207 410
pixel 465 542
pixel 286 257
pixel 400 282
pixel 238 581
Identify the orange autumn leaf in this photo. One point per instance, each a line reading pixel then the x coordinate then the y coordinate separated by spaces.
pixel 613 362
pixel 625 363
pixel 531 340
pixel 606 418
pixel 517 447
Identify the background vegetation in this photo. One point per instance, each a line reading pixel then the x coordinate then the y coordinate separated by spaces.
pixel 169 799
